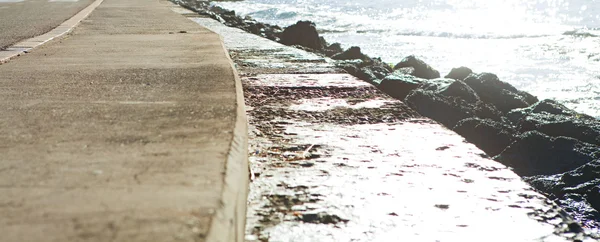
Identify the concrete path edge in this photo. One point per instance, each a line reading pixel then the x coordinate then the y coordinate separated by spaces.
pixel 229 221
pixel 26 45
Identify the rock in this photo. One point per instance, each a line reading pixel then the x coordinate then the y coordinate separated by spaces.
pixel 366 69
pixel 448 101
pixel 255 28
pixel 366 74
pixel 406 71
pixel 378 67
pixel 579 33
pixel 460 90
pixel 350 54
pixel 502 95
pixel 321 218
pixel 422 69
pixel 490 136
pixel 351 69
pixel 438 108
pixel 302 33
pixel 398 85
pixel 534 153
pixel 554 119
pixel 271 32
pixel 333 49
pixel 459 73
pixel 577 191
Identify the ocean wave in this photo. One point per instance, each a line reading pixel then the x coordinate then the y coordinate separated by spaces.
pixel 433 34
pixel 273 13
pixel 580 33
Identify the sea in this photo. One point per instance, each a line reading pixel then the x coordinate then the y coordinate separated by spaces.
pixel 550 48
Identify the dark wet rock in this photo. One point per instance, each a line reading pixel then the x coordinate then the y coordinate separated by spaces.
pixel 459 73
pixel 581 209
pixel 458 89
pixel 351 68
pixel 490 136
pixel 271 32
pixel 422 69
pixel 302 33
pixel 352 53
pixel 544 106
pixel 406 71
pixel 448 101
pixel 502 95
pixel 554 119
pixel 445 110
pixel 579 33
pixel 398 85
pixel 321 218
pixel 368 75
pixel 534 153
pixel 442 206
pixel 333 49
pixel 378 67
pixel 577 191
pixel 367 69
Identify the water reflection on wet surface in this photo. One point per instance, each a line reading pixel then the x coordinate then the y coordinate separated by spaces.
pixel 379 181
pixel 334 159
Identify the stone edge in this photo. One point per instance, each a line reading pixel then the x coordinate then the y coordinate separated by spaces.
pixel 229 221
pixel 26 45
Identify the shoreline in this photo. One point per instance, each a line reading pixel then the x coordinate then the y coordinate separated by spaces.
pixel 513 127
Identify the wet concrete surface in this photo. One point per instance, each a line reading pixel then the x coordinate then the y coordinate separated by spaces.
pixel 259 55
pixel 334 159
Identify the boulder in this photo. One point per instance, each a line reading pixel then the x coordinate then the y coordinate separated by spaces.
pixel 272 32
pixel 421 69
pixel 554 119
pixel 490 136
pixel 302 33
pixel 459 73
pixel 460 90
pixel 366 69
pixel 577 191
pixel 406 71
pixel 439 108
pixel 367 74
pixel 352 53
pixel 534 153
pixel 502 95
pixel 350 68
pixel 448 101
pixel 333 49
pixel 378 67
pixel 398 85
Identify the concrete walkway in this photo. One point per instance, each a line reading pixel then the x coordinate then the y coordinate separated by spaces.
pixel 131 128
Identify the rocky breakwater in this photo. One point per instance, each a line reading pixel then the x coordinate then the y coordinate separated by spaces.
pixel 554 148
pixel 332 156
pixel 541 140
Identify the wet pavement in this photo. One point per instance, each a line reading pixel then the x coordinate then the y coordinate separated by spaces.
pixel 334 159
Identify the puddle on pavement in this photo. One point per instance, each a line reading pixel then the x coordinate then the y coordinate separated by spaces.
pixel 324 104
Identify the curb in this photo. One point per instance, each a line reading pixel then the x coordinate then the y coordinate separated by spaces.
pixel 229 221
pixel 25 46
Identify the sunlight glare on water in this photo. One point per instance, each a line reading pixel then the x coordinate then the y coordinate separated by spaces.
pixel 522 41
